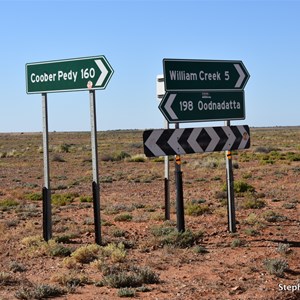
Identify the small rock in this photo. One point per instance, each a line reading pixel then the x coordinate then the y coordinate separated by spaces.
pixel 238 289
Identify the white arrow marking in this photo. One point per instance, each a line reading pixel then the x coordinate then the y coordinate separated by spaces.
pixel 151 143
pixel 168 108
pixel 192 140
pixel 242 75
pixel 214 139
pixel 173 141
pixel 245 138
pixel 104 72
pixel 231 137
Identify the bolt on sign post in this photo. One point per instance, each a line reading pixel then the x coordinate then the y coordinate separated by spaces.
pixel 78 74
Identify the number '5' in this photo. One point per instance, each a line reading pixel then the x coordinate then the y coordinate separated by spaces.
pixel 227 75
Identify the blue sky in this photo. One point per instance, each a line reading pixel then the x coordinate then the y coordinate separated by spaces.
pixel 135 36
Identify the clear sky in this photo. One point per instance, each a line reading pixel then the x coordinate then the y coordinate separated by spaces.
pixel 135 36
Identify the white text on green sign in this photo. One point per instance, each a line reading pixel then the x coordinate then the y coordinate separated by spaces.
pixel 203 106
pixel 68 75
pixel 201 75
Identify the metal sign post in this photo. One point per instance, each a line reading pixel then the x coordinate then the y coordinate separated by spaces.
pixel 95 184
pixel 202 90
pixel 77 74
pixel 160 92
pixel 230 190
pixel 179 193
pixel 47 222
pixel 167 182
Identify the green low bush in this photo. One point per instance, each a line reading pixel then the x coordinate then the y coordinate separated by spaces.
pixel 6 203
pixel 41 291
pixel 196 209
pixel 63 199
pixel 7 279
pixel 272 216
pixel 84 199
pixel 200 250
pixel 137 158
pixel 86 254
pixel 170 236
pixel 132 278
pixel 123 218
pixel 126 292
pixel 34 196
pixel 283 248
pixel 253 203
pixel 276 266
pixel 240 187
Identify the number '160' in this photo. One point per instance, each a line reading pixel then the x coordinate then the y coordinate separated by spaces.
pixel 87 73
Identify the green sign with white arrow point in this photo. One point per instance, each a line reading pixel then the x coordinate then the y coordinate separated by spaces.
pixel 68 75
pixel 204 75
pixel 203 106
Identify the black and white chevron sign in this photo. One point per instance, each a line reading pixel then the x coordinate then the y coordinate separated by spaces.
pixel 162 142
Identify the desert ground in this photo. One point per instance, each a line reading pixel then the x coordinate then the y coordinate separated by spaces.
pixel 142 255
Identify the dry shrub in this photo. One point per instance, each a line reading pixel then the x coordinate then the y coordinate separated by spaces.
pixel 86 254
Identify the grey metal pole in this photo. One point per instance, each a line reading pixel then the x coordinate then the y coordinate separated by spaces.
pixel 95 184
pixel 230 190
pixel 179 193
pixel 47 222
pixel 167 182
pixel 160 92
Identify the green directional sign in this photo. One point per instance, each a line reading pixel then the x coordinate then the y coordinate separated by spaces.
pixel 203 106
pixel 68 75
pixel 203 75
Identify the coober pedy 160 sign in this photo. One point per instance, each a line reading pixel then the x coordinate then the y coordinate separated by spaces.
pixel 68 75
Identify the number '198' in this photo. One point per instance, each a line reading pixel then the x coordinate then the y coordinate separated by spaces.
pixel 186 105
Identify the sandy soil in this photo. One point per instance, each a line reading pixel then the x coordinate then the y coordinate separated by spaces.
pixel 216 265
